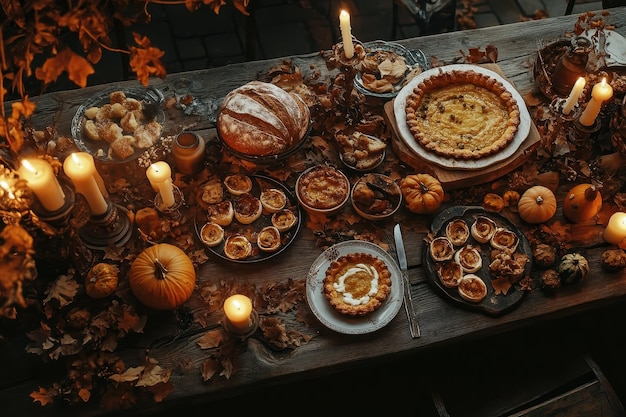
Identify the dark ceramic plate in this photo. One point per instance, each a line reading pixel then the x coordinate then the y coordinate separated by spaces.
pixel 259 183
pixel 492 304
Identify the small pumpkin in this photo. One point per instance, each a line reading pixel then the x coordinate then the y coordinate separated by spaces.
pixel 101 280
pixel 422 193
pixel 582 202
pixel 162 277
pixel 537 204
pixel 572 268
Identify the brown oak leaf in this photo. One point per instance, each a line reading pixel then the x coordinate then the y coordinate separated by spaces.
pixel 212 339
pixel 501 285
pixel 209 368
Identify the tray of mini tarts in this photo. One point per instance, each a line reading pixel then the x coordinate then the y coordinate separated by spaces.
pixel 247 238
pixel 490 238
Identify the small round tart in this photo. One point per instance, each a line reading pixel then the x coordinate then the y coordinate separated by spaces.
pixel 441 249
pixel 212 192
pixel 212 234
pixel 357 284
pixel 504 239
pixel 469 258
pixel 449 272
pixel 322 187
pixel 472 288
pixel 247 208
pixel 268 239
pixel 458 232
pixel 273 200
pixel 483 229
pixel 284 219
pixel 237 247
pixel 221 213
pixel 238 184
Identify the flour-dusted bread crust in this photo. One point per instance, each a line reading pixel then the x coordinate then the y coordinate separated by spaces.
pixel 261 119
pixel 462 114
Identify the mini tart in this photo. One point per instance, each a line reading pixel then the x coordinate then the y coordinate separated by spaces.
pixel 504 239
pixel 469 258
pixel 472 288
pixel 284 219
pixel 323 187
pixel 268 239
pixel 212 234
pixel 221 213
pixel 273 200
pixel 237 247
pixel 238 184
pixel 458 232
pixel 449 272
pixel 212 192
pixel 247 208
pixel 357 284
pixel 441 249
pixel 483 229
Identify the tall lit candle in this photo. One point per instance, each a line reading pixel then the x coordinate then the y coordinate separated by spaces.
pixel 574 95
pixel 160 176
pixel 346 34
pixel 41 180
pixel 88 160
pixel 238 311
pixel 83 173
pixel 615 230
pixel 601 92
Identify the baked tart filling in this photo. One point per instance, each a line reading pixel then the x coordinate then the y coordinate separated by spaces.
pixel 472 288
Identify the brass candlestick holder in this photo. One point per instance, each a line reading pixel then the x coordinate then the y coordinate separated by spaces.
pixel 580 134
pixel 348 68
pixel 112 228
pixel 173 212
pixel 59 219
pixel 242 334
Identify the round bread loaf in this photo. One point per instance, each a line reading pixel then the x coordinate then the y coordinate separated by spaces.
pixel 262 119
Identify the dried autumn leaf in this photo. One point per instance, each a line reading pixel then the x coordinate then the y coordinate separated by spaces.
pixel 501 285
pixel 44 396
pixel 491 52
pixel 131 374
pixel 209 368
pixel 212 339
pixel 63 289
pixel 153 375
pixel 145 59
pixel 77 68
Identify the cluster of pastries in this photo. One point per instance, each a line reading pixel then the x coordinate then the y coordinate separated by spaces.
pixel 357 284
pixel 383 71
pixel 360 151
pixel 458 255
pixel 232 210
pixel 121 125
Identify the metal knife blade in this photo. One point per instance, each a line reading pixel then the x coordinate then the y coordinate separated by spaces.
pixel 408 299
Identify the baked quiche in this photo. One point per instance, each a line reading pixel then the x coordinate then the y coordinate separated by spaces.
pixel 464 115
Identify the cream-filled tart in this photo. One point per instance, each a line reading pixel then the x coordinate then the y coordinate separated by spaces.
pixel 449 273
pixel 221 213
pixel 269 239
pixel 483 229
pixel 469 258
pixel 441 249
pixel 212 234
pixel 237 247
pixel 472 288
pixel 247 208
pixel 273 200
pixel 458 232
pixel 504 239
pixel 238 184
pixel 212 192
pixel 284 219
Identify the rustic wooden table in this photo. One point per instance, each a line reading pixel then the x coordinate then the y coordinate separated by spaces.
pixel 442 323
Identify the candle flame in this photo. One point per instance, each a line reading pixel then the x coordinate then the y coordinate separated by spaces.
pixel 76 160
pixel 343 13
pixel 603 82
pixel 26 164
pixel 5 186
pixel 155 168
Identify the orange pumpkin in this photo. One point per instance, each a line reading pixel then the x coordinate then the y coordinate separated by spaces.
pixel 101 280
pixel 582 202
pixel 422 193
pixel 162 277
pixel 537 205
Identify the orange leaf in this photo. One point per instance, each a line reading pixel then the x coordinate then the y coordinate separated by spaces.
pixel 79 69
pixel 501 285
pixel 43 396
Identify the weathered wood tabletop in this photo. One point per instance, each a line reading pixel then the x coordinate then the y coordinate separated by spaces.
pixel 442 323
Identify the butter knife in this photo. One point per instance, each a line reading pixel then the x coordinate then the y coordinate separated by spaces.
pixel 408 300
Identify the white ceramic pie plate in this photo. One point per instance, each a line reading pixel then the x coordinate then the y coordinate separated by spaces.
pixel 450 163
pixel 342 323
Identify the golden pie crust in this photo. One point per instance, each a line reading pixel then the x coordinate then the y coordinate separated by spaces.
pixel 463 115
pixel 357 284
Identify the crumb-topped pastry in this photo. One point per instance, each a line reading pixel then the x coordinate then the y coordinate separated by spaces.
pixel 357 284
pixel 462 114
pixel 322 187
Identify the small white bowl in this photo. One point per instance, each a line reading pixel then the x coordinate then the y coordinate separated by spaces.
pixel 376 197
pixel 321 179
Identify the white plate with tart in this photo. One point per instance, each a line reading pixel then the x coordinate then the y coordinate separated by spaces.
pixel 340 322
pixel 235 225
pixel 453 118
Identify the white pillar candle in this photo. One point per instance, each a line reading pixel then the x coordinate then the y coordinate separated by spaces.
pixel 238 310
pixel 346 34
pixel 601 92
pixel 574 95
pixel 41 180
pixel 83 176
pixel 88 160
pixel 615 230
pixel 160 176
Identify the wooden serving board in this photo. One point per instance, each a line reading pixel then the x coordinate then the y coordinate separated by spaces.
pixel 456 178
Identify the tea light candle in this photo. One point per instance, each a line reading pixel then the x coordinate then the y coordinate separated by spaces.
pixel 346 34
pixel 41 180
pixel 615 230
pixel 574 95
pixel 238 309
pixel 601 92
pixel 160 176
pixel 82 172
